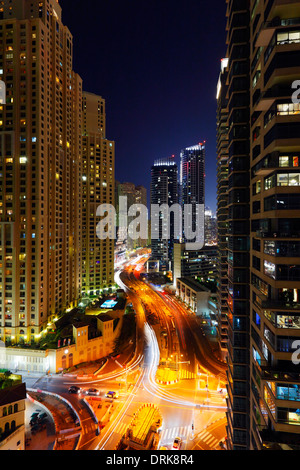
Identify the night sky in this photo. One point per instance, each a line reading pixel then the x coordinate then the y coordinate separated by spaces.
pixel 156 63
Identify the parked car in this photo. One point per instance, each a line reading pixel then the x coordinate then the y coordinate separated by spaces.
pixel 43 417
pixel 34 419
pixel 92 392
pixel 112 395
pixel 75 390
pixel 177 443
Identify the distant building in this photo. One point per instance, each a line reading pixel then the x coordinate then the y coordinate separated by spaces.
pixel 192 181
pixel 136 195
pixel 211 228
pixel 164 191
pixel 201 263
pixel 195 295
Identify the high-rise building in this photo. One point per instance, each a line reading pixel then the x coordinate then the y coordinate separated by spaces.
pixel 263 233
pixel 275 235
pixel 98 155
pixel 192 181
pixel 194 263
pixel 210 223
pixel 141 200
pixel 40 169
pixel 222 206
pixel 164 191
pixel 136 195
pixel 238 225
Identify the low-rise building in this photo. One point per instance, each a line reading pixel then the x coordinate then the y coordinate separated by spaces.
pixel 12 417
pixel 92 339
pixel 195 295
pixel 188 263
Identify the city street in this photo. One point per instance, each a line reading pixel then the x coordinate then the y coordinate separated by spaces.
pixel 192 408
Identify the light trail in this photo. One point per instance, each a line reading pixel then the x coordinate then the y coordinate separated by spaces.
pixel 114 375
pixel 112 427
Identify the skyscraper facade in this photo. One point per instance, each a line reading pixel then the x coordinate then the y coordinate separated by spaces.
pixel 222 206
pixel 164 191
pixel 40 169
pixel 238 272
pixel 263 207
pixel 275 236
pixel 98 161
pixel 192 179
pixel 136 195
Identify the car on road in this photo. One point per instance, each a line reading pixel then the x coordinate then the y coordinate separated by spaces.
pixel 177 443
pixel 43 417
pixel 75 390
pixel 34 419
pixel 112 395
pixel 92 392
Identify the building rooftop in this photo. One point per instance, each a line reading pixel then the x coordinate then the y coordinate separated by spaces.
pixel 193 284
pixel 13 394
pixel 105 318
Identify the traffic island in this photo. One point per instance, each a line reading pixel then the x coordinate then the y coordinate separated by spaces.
pixel 102 410
pixel 165 376
pixel 143 431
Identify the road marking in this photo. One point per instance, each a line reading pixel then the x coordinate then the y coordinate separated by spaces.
pixel 203 433
pixel 171 433
pixel 208 440
pixel 214 443
pixel 121 428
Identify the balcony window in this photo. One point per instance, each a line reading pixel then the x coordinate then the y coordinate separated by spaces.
pixel 287 321
pixel 270 182
pixel 288 392
pixel 288 109
pixel 288 37
pixel 284 162
pixel 269 248
pixel 270 269
pixel 289 416
pixel 288 179
pixel 269 401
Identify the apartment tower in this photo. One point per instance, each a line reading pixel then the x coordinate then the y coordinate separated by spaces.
pixel 222 206
pixel 238 271
pixel 40 168
pixel 192 180
pixel 98 178
pixel 263 255
pixel 275 235
pixel 164 191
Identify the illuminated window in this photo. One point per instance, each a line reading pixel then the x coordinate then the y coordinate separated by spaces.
pixel 270 269
pixel 287 109
pixel 289 179
pixel 284 162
